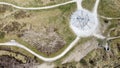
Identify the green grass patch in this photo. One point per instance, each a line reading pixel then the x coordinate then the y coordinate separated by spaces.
pixel 88 4
pixel 109 8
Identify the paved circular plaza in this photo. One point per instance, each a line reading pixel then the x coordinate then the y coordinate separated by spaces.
pixel 83 23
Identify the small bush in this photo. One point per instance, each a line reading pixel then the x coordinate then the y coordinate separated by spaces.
pixel 2 34
pixel 83 61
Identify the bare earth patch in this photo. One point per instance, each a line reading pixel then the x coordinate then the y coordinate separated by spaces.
pixel 81 51
pixel 47 42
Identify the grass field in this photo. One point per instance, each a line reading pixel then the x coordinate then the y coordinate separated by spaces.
pixel 109 8
pixel 57 17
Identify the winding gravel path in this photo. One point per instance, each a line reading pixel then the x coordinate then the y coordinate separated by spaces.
pixel 36 8
pixel 14 43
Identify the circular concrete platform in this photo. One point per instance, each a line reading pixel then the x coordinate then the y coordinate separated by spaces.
pixel 83 22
